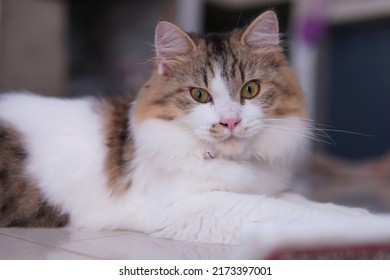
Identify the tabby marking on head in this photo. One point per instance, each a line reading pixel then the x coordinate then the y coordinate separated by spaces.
pixel 218 66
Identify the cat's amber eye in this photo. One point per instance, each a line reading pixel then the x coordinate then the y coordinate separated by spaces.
pixel 200 95
pixel 250 89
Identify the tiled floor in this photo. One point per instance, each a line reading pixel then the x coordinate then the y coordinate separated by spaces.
pixel 17 243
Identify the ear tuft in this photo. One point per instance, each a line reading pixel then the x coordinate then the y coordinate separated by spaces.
pixel 171 43
pixel 262 31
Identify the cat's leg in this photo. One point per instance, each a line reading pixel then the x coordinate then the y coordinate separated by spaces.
pixel 296 198
pixel 219 217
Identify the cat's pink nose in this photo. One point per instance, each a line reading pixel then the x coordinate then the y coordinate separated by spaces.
pixel 230 123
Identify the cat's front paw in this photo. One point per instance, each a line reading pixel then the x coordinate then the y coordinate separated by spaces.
pixel 350 211
pixel 358 212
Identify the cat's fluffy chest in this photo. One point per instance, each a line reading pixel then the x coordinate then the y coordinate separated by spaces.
pixel 171 157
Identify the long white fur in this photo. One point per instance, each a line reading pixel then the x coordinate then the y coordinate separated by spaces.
pixel 65 143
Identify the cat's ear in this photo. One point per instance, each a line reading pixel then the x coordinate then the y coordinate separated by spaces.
pixel 262 31
pixel 172 44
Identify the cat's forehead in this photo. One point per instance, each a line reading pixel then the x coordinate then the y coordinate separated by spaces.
pixel 215 46
pixel 220 64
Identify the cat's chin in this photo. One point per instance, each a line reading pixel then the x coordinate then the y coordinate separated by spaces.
pixel 231 147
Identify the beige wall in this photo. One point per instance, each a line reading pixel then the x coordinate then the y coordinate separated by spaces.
pixel 32 48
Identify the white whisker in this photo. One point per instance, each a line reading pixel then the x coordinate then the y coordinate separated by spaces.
pixel 317 130
pixel 305 133
pixel 347 132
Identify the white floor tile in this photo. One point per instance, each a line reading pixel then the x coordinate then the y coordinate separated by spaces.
pixel 139 246
pixel 38 243
pixel 17 249
pixel 56 236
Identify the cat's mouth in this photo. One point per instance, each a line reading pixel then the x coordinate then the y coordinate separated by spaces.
pixel 230 145
pixel 227 143
pixel 231 138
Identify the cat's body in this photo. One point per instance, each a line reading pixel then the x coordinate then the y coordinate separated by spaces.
pixel 204 150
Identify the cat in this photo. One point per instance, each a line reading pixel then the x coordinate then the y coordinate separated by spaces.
pixel 205 148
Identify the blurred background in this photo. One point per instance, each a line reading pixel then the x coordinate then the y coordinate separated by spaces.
pixel 340 49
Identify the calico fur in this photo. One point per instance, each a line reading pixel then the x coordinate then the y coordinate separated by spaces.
pixel 165 164
pixel 21 203
pixel 119 144
pixel 70 155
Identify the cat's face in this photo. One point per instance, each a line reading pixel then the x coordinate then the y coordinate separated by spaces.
pixel 221 88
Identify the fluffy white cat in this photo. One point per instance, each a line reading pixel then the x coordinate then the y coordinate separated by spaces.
pixel 204 150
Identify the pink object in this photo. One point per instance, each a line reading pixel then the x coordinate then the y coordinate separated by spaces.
pixel 231 123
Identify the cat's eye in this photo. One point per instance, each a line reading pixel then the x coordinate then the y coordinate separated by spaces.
pixel 250 89
pixel 200 95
